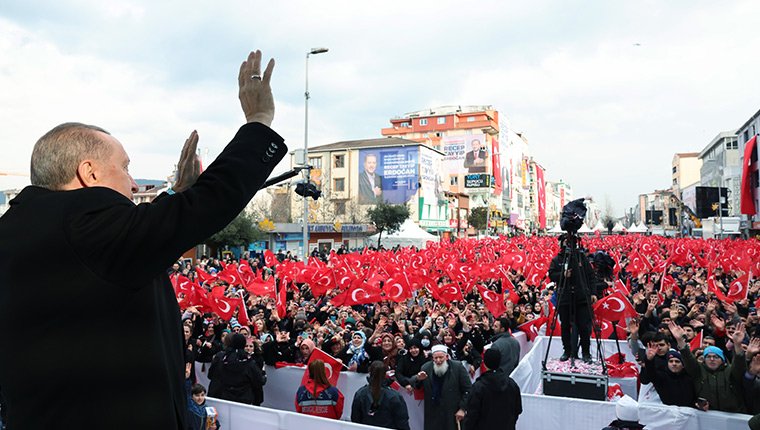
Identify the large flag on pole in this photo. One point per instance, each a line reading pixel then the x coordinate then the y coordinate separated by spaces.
pixel 748 192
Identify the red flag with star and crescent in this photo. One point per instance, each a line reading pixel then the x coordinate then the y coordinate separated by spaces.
pixel 332 367
pixel 614 307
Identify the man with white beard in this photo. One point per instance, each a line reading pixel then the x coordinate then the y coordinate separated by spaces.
pixel 446 384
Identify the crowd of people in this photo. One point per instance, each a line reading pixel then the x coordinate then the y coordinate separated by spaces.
pixel 695 337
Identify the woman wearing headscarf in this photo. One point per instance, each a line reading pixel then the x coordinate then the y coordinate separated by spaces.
pixel 389 351
pixel 357 355
pixel 410 364
pixel 317 396
pixel 305 349
pixel 377 405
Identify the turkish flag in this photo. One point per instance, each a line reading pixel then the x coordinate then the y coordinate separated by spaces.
pixel 223 306
pixel 203 275
pixel 282 300
pixel 230 275
pixel 697 341
pixel 620 286
pixel 532 327
pixel 739 288
pixel 448 293
pixel 332 367
pixel 269 259
pixel 261 287
pixel 748 194
pixel 322 281
pixel 397 288
pixel 494 301
pixel 242 314
pixel 614 307
pixel 614 392
pixel 359 294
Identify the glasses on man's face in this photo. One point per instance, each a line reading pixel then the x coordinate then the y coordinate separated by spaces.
pixel 712 357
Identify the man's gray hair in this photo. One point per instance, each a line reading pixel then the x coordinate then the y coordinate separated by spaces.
pixel 57 154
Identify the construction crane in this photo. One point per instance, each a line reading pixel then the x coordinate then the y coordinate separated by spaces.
pixel 685 208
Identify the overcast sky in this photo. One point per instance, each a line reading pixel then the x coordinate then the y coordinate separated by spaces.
pixel 605 91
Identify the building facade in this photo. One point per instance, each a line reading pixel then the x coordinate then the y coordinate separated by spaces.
pixel 685 170
pixel 721 167
pixel 745 133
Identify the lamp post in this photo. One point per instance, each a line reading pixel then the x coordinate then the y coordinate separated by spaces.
pixel 306 171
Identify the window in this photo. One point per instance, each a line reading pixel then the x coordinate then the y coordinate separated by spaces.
pixel 470 119
pixel 454 180
pixel 441 120
pixel 675 182
pixel 675 169
pixel 423 121
pixel 340 208
pixel 746 135
pixel 404 124
pixel 340 161
pixel 315 162
pixel 339 185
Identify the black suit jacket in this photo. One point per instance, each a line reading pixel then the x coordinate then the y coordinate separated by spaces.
pixel 366 188
pixel 469 162
pixel 91 326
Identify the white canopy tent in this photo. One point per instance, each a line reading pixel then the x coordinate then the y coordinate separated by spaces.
pixel 618 228
pixel 410 234
pixel 599 226
pixel 555 230
pixel 584 229
pixel 640 228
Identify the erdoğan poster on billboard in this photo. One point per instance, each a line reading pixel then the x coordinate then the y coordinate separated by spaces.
pixel 466 154
pixel 388 175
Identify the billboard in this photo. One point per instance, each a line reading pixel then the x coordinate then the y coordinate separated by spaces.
pixel 466 154
pixel 431 177
pixel 388 174
pixel 477 181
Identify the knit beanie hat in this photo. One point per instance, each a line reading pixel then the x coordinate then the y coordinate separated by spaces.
pixel 674 353
pixel 714 350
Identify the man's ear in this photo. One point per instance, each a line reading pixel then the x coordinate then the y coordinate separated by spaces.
pixel 87 173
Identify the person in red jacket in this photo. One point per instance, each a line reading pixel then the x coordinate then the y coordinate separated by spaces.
pixel 317 396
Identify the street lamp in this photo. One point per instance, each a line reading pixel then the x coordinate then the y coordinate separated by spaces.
pixel 305 225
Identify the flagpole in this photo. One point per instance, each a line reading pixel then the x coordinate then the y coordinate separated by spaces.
pixel 245 309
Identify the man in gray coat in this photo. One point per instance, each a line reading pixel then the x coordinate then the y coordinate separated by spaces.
pixel 506 344
pixel 446 384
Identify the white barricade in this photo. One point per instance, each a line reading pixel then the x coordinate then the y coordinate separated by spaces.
pixel 539 412
pixel 545 412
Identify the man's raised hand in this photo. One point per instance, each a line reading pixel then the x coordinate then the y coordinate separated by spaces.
pixel 189 165
pixel 255 92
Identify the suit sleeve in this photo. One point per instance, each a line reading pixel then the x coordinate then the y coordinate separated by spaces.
pixel 128 245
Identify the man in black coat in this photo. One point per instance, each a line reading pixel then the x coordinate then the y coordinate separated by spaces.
pixel 234 374
pixel 96 329
pixel 495 401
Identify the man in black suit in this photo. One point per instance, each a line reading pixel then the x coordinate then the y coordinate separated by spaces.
pixel 94 330
pixel 475 160
pixel 370 183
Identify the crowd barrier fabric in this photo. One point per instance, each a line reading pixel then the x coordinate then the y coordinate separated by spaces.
pixel 539 412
